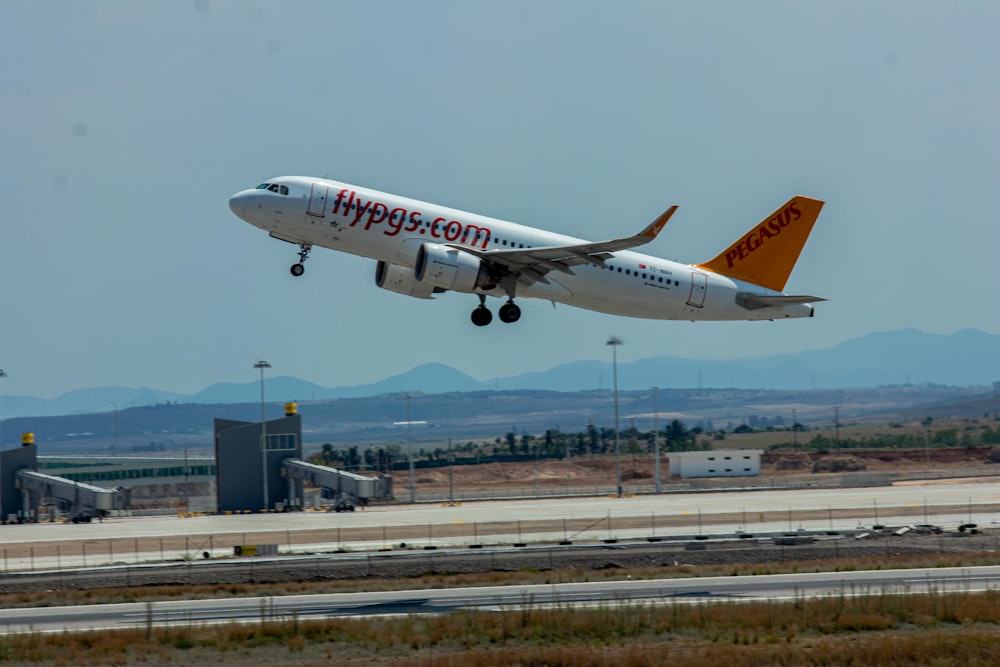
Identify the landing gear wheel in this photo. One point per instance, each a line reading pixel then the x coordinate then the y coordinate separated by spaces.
pixel 482 316
pixel 509 312
pixel 298 269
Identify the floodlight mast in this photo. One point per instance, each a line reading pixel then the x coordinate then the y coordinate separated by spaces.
pixel 261 365
pixel 614 342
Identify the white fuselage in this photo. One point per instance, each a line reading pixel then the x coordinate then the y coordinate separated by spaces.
pixel 390 228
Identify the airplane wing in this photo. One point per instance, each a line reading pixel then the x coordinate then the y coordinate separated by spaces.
pixel 532 264
pixel 755 301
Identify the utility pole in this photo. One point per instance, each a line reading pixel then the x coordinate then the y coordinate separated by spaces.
pixel 795 431
pixel 409 437
pixel 261 365
pixel 451 474
pixel 614 343
pixel 656 435
pixel 836 421
pixel 3 374
pixel 114 450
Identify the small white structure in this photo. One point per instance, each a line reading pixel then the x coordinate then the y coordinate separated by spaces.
pixel 716 463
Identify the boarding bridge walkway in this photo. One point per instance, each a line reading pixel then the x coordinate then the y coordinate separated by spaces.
pixel 338 483
pixel 77 495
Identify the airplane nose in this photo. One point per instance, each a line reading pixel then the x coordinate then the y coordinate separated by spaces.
pixel 238 203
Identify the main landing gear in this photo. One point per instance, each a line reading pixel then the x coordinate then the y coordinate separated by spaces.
pixel 509 313
pixel 297 269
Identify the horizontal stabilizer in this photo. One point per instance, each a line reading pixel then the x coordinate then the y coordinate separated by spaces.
pixel 757 301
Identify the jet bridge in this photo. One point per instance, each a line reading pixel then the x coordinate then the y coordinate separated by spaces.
pixel 22 487
pixel 336 483
pixel 84 501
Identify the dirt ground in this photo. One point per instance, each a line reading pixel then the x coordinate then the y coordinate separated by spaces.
pixel 600 470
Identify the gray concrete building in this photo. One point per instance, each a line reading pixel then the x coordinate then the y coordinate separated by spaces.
pixel 249 464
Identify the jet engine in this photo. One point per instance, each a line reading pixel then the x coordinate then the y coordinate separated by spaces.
pixel 451 268
pixel 400 279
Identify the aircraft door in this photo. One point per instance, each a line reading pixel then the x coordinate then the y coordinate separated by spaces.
pixel 699 285
pixel 317 200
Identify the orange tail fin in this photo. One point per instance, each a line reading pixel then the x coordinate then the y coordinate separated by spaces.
pixel 767 254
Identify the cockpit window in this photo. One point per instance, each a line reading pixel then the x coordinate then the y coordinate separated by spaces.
pixel 274 187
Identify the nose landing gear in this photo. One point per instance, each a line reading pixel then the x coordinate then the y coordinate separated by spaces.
pixel 297 269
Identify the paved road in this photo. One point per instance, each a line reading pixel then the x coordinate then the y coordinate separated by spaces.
pixel 492 598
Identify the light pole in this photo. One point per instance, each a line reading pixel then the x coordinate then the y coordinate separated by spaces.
pixel 3 374
pixel 114 451
pixel 409 437
pixel 614 343
pixel 656 433
pixel 261 365
pixel 836 419
pixel 795 431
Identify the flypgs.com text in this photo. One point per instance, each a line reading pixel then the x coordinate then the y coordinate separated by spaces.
pixel 372 212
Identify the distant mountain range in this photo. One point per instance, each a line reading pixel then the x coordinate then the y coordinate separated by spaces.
pixel 966 358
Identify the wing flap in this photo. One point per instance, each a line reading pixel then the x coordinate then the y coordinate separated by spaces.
pixel 534 263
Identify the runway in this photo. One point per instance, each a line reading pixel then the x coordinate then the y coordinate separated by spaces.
pixel 494 599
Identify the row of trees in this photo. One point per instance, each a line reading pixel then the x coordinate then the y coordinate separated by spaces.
pixel 597 441
pixel 946 437
pixel 675 437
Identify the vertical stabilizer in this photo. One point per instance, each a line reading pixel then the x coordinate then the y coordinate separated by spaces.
pixel 767 254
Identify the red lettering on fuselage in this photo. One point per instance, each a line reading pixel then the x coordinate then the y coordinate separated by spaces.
pixel 340 198
pixel 766 230
pixel 348 204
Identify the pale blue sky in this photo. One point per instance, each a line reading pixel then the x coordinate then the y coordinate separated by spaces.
pixel 127 125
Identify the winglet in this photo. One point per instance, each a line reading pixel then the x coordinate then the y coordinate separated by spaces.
pixel 656 226
pixel 767 254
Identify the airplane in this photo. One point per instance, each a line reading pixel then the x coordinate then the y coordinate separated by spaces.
pixel 423 249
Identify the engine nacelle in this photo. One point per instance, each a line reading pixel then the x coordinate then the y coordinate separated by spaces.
pixel 451 268
pixel 400 279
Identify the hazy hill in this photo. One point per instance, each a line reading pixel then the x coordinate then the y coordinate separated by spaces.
pixel 487 414
pixel 907 356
